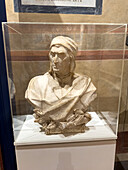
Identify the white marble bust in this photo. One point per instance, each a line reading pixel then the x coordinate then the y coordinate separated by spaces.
pixel 61 97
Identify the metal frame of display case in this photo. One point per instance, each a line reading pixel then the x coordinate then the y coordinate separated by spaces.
pixel 6 132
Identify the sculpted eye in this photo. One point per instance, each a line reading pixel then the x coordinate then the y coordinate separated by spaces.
pixel 62 55
pixel 52 54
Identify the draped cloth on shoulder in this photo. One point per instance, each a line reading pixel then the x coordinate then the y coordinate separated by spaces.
pixel 56 103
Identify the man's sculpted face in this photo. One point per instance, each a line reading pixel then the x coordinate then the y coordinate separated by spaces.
pixel 60 60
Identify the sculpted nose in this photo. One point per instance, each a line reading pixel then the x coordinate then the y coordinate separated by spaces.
pixel 56 59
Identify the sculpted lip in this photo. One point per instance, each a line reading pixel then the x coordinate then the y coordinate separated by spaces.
pixel 55 68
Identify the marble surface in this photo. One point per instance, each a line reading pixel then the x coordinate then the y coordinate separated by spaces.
pixel 26 132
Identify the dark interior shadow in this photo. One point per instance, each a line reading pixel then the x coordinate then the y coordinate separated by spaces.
pixel 122 165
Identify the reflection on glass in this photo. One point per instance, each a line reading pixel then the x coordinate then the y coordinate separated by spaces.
pixel 100 56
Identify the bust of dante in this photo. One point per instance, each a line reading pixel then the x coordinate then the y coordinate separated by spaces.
pixel 61 97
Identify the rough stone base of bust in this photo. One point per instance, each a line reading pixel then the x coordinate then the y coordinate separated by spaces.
pixel 74 123
pixel 77 129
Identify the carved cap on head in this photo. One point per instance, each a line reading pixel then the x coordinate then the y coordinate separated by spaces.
pixel 65 42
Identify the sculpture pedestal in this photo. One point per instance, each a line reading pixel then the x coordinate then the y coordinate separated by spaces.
pixel 97 155
pixel 92 150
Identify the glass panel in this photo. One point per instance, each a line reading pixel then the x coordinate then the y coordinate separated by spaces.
pixel 122 141
pixel 100 57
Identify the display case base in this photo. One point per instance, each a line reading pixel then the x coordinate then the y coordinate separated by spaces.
pixel 97 155
pixel 27 132
pixel 92 150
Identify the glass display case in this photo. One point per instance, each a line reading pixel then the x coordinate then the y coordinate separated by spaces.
pixel 99 63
